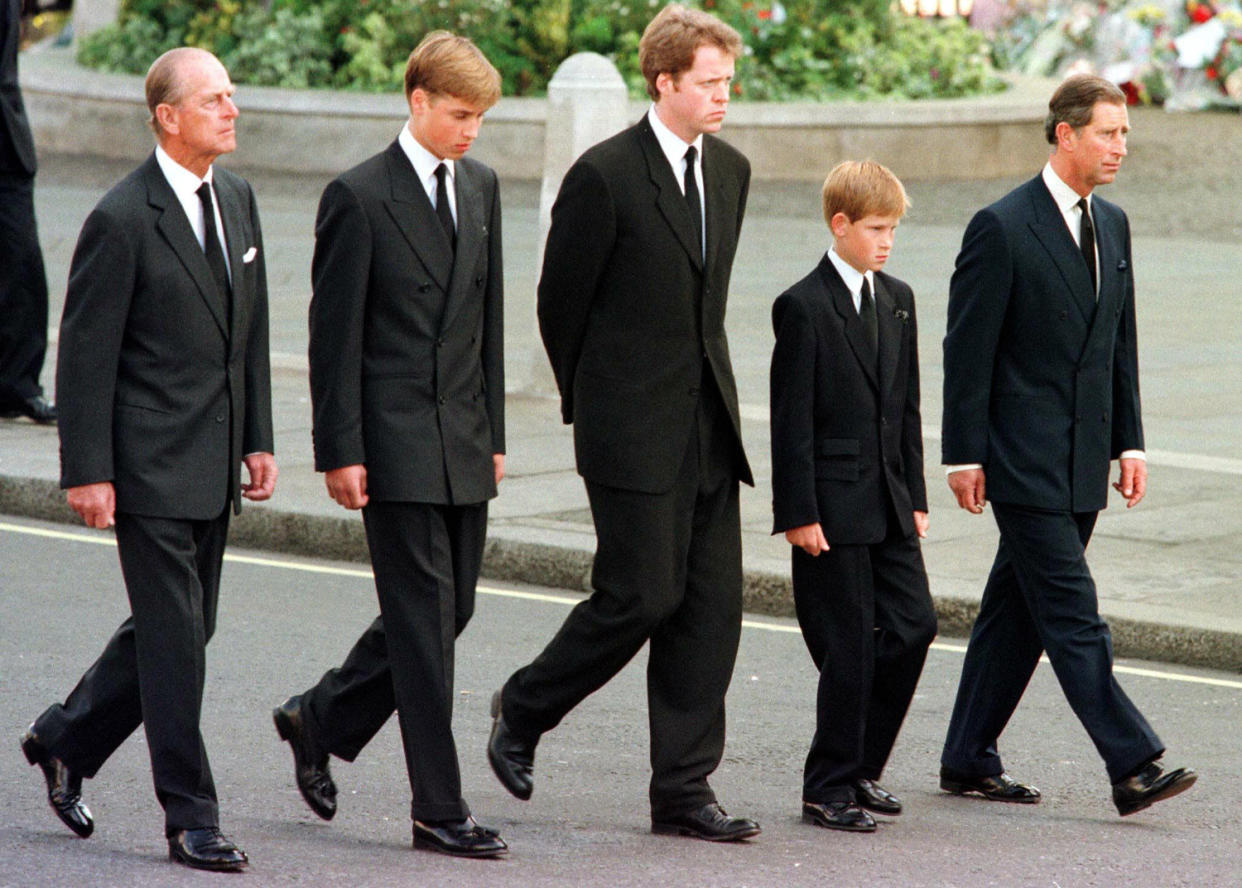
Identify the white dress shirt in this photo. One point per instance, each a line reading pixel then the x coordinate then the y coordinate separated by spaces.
pixel 185 186
pixel 674 148
pixel 852 277
pixel 425 164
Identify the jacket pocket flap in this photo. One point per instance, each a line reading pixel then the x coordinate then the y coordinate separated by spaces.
pixel 837 447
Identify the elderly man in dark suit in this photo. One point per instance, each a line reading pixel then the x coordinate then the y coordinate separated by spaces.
pixel 165 392
pixel 23 283
pixel 407 385
pixel 631 307
pixel 1040 393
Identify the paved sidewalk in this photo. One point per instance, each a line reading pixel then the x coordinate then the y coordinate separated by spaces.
pixel 1168 572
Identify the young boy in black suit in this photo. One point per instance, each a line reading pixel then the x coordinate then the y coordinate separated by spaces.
pixel 848 493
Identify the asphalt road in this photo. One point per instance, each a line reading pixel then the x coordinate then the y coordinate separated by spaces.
pixel 284 620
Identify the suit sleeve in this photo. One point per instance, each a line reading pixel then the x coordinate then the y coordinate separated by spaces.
pixel 792 400
pixel 340 273
pixel 912 421
pixel 580 240
pixel 101 286
pixel 978 298
pixel 258 436
pixel 494 326
pixel 1127 416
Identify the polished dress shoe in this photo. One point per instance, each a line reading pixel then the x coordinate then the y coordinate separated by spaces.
pixel 512 758
pixel 873 797
pixel 310 766
pixel 206 849
pixel 709 822
pixel 997 788
pixel 838 815
pixel 64 787
pixel 38 408
pixel 1150 785
pixel 460 838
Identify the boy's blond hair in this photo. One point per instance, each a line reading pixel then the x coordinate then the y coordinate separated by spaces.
pixel 671 38
pixel 445 64
pixel 860 188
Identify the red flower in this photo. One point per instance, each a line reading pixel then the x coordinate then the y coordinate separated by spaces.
pixel 1132 92
pixel 737 88
pixel 764 14
pixel 1212 73
pixel 1200 13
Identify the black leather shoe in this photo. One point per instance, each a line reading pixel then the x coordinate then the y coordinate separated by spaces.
pixel 873 797
pixel 709 822
pixel 1151 785
pixel 206 849
pixel 838 815
pixel 37 408
pixel 64 787
pixel 460 838
pixel 512 758
pixel 310 766
pixel 998 788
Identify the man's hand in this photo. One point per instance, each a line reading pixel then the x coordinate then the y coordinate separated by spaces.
pixel 1133 481
pixel 809 538
pixel 921 523
pixel 96 503
pixel 262 470
pixel 498 466
pixel 348 485
pixel 970 488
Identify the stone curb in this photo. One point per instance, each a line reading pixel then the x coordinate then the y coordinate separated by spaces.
pixel 764 593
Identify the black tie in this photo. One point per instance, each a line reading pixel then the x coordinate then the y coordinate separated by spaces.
pixel 692 197
pixel 866 313
pixel 211 244
pixel 1086 242
pixel 442 205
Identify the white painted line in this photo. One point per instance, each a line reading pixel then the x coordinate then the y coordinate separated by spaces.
pixel 567 600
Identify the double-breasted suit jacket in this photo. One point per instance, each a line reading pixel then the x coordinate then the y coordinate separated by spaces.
pixel 407 348
pixel 847 438
pixel 1040 378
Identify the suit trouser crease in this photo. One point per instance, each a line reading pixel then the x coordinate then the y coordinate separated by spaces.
pixel 667 570
pixel 867 617
pixel 23 292
pixel 152 670
pixel 426 559
pixel 1040 597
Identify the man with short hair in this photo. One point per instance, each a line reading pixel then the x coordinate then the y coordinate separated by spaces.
pixel 407 387
pixel 165 391
pixel 1040 393
pixel 631 308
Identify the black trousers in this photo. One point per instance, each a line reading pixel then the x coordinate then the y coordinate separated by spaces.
pixel 426 560
pixel 1040 597
pixel 151 671
pixel 23 292
pixel 867 617
pixel 667 570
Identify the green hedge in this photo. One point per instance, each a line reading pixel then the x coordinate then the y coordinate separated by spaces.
pixel 801 49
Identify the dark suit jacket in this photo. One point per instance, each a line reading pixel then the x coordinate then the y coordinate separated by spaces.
pixel 161 387
pixel 17 151
pixel 847 436
pixel 406 339
pixel 1040 381
pixel 631 315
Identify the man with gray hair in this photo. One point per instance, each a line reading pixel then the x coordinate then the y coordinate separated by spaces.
pixel 164 390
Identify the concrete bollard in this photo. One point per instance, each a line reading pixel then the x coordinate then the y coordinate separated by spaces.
pixel 587 103
pixel 91 15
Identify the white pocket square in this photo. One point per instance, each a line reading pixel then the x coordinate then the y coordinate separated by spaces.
pixel 250 254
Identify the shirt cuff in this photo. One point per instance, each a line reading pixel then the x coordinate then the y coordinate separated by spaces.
pixel 1133 454
pixel 949 470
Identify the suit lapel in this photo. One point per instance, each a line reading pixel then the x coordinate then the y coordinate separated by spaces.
pixel 843 303
pixel 717 200
pixel 471 235
pixel 175 228
pixel 1050 229
pixel 1111 255
pixel 890 327
pixel 411 209
pixel 670 200
pixel 235 243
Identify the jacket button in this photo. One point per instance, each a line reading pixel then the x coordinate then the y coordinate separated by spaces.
pixel 1064 315
pixel 423 288
pixel 440 342
pixel 1104 418
pixel 693 391
pixel 443 400
pixel 219 417
pixel 478 282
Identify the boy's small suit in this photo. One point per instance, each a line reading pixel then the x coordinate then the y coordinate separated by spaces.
pixel 847 452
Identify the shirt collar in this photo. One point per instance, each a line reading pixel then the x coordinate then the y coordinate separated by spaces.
pixel 852 277
pixel 1066 198
pixel 673 146
pixel 424 161
pixel 183 183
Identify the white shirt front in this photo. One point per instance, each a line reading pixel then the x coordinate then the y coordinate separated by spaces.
pixel 674 148
pixel 1066 199
pixel 852 277
pixel 185 185
pixel 425 163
